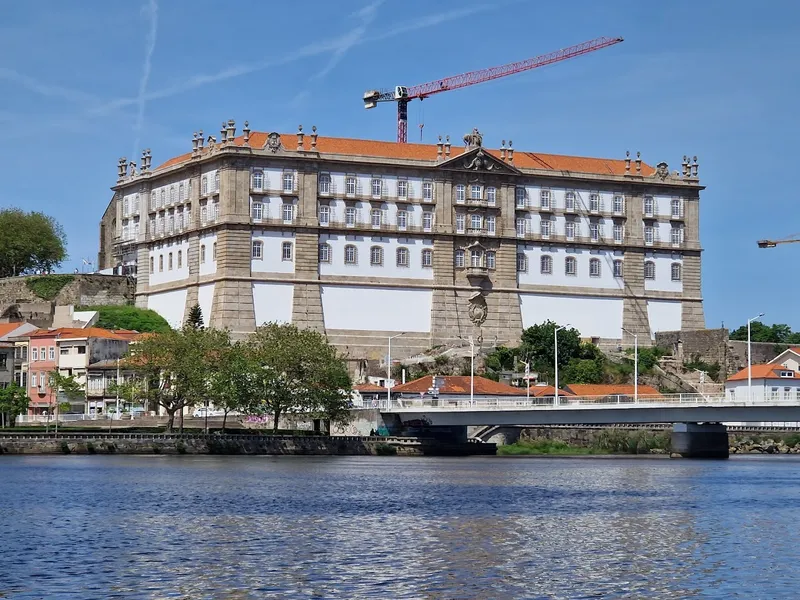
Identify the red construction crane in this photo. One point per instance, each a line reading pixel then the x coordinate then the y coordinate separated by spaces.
pixel 403 95
pixel 792 239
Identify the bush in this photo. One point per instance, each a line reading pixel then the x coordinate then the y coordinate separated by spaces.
pixel 129 317
pixel 65 448
pixel 638 441
pixel 695 364
pixel 385 450
pixel 541 446
pixel 47 287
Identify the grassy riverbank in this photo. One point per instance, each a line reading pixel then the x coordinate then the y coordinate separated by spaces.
pixel 608 442
pixel 540 446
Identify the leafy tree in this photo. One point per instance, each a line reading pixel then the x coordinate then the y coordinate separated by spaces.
pixel 66 390
pixel 779 333
pixel 538 346
pixel 195 318
pixel 296 371
pixel 178 367
pixel 29 241
pixel 501 359
pixel 130 390
pixel 232 382
pixel 13 402
pixel 583 370
pixel 130 317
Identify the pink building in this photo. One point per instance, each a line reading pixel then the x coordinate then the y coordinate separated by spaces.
pixel 42 357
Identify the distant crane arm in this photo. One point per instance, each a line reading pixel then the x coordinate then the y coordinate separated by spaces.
pixel 773 243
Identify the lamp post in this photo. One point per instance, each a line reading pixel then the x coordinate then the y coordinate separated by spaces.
pixel 555 360
pixel 750 359
pixel 635 365
pixel 471 371
pixel 389 371
pixel 528 381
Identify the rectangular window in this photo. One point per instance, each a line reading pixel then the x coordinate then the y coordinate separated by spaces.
pixel 64 351
pixel 377 188
pixel 52 353
pixel 521 227
pixel 490 260
pixel 475 258
pixel 258 250
pixel 648 234
pixel 460 222
pixel 286 251
pixel 325 184
pixel 677 208
pixel 34 354
pixel 619 204
pixel 402 188
pixel 427 191
pixel 617 233
pixel 491 195
pixel 324 214
pixel 475 222
pixel 545 227
pixel 458 261
pixel 475 192
pixel 460 194
pixel 288 213
pixel 676 236
pixel 522 263
pixel 569 201
pixel 377 218
pixel 288 182
pixel 203 216
pixel 491 225
pixel 350 186
pixel 427 220
pixel 519 195
pixel 33 380
pixel 402 219
pixel 594 231
pixel 350 216
pixel 257 211
pixel 81 349
pixel 618 269
pixel 324 253
pixel 427 257
pixel 569 230
pixel 648 206
pixel 545 199
pixel 594 203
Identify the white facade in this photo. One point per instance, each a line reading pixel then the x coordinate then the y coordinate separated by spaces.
pixel 570 267
pixel 273 302
pixel 377 309
pixel 272 251
pixel 169 261
pixel 592 317
pixel 782 390
pixel 376 256
pixel 208 254
pixel 660 275
pixel 170 305
pixel 664 315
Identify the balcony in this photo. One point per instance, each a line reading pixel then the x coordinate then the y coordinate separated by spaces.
pixel 477 271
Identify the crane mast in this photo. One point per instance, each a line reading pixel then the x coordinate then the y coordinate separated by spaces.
pixel 402 95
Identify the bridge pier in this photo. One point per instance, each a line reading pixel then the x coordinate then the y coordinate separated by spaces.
pixel 699 440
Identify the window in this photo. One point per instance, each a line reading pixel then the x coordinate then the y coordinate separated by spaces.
pixel 461 220
pixel 160 263
pixel 491 195
pixel 203 215
pixel 203 253
pixel 216 181
pixel 258 250
pixel 459 259
pixel 460 194
pixel 325 184
pixel 324 214
pixel 475 222
pixel 676 271
pixel 350 216
pixel 569 230
pixel 544 227
pixel 491 225
pixel 324 253
pixel 286 251
pixel 170 261
pixel 163 198
pixel 350 255
pixel 215 210
pixel 619 204
pixel 377 188
pixel 594 231
pixel 475 258
pixel 171 223
pixel 569 201
pixel 570 266
pixel 594 267
pixel 257 211
pixel 522 227
pixel 153 201
pixel 350 186
pixel 402 257
pixel 258 180
pixel 377 218
pixel 64 351
pixel 214 251
pixel 546 264
pixel 52 353
pixel 544 198
pixel 427 220
pixel 475 192
pixel 376 256
pixel 649 235
pixel 618 269
pixel 427 191
pixel 676 207
pixel 152 263
pixel 34 354
pixel 181 192
pixel 649 270
pixel 648 206
pixel 33 380
pixel 125 207
pixel 288 213
pixel 676 236
pixel 402 188
pixel 519 195
pixel 180 259
pixel 288 182
pixel 81 350
pixel 618 233
pixel 402 219
pixel 427 258
pixel 203 188
pixel 172 194
pixel 491 259
pixel 522 263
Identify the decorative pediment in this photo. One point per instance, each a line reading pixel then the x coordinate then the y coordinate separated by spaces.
pixel 479 160
pixel 662 173
pixel 273 143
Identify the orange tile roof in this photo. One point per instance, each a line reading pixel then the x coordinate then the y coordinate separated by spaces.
pixel 369 388
pixel 610 389
pixel 455 384
pixel 67 333
pixel 769 371
pixel 6 328
pixel 428 152
pixel 547 390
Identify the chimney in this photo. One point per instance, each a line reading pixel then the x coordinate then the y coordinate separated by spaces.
pixel 510 152
pixel 300 139
pixel 638 163
pixel 122 167
pixel 446 147
pixel 246 133
pixel 694 167
pixel 231 130
pixel 313 137
pixel 200 140
pixel 627 162
pixel 685 166
pixel 223 133
pixel 439 149
pixel 149 159
pixel 144 161
pixel 503 151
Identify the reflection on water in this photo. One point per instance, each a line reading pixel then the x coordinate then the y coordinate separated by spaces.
pixel 318 527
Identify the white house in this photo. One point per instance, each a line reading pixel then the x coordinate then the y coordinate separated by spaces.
pixel 789 358
pixel 768 382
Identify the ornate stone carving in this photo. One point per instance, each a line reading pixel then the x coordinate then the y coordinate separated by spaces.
pixel 481 162
pixel 478 310
pixel 662 171
pixel 474 139
pixel 274 142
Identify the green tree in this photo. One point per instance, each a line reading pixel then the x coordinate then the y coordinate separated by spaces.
pixel 195 318
pixel 583 370
pixel 232 382
pixel 538 346
pixel 29 241
pixel 13 402
pixel 779 333
pixel 130 391
pixel 297 371
pixel 130 317
pixel 66 390
pixel 177 367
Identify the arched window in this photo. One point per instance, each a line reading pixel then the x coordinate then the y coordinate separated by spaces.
pixel 324 253
pixel 522 263
pixel 216 181
pixel 618 269
pixel 570 266
pixel 676 271
pixel 180 259
pixel 594 267
pixel 163 198
pixel 214 251
pixel 402 257
pixel 376 256
pixel 458 260
pixel 204 185
pixel 258 250
pixel 649 270
pixel 152 263
pixel 172 194
pixel 181 193
pixel 546 264
pixel 160 263
pixel 258 179
pixel 427 257
pixel 350 255
pixel 203 253
pixel 170 261
pixel 324 183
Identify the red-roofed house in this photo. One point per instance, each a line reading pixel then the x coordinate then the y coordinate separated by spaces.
pixel 789 358
pixel 768 382
pixel 454 386
pixel 546 391
pixel 603 390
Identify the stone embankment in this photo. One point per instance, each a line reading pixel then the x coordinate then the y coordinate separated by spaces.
pixel 767 446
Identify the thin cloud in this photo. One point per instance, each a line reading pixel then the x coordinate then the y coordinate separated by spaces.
pixel 151 9
pixel 43 88
pixel 367 16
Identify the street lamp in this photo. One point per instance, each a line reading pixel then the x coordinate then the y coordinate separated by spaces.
pixel 635 365
pixel 389 371
pixel 555 360
pixel 471 371
pixel 750 359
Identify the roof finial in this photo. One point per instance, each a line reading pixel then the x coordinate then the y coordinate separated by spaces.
pixel 246 133
pixel 638 163
pixel 510 151
pixel 627 162
pixel 300 139
pixel 503 150
pixel 313 137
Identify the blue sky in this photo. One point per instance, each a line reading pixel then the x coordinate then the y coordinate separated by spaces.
pixel 83 83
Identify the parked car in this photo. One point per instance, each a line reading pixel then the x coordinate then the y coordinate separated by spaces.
pixel 203 412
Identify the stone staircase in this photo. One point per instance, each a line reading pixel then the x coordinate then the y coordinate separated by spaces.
pixel 698 381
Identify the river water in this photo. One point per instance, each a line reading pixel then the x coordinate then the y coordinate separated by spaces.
pixel 373 527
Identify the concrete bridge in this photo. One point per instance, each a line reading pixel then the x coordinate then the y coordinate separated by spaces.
pixel 698 421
